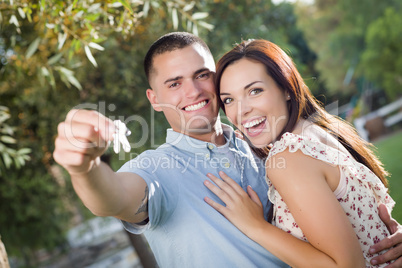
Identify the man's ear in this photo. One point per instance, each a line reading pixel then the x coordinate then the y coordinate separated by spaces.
pixel 153 100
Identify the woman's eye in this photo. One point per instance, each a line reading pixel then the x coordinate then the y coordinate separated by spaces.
pixel 255 91
pixel 227 100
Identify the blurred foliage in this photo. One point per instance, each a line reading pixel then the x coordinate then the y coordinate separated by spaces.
pixel 64 30
pixel 336 30
pixel 382 59
pixel 9 155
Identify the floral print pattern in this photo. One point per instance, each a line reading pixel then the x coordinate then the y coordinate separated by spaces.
pixel 364 190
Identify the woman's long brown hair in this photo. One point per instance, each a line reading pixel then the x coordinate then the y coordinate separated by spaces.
pixel 302 103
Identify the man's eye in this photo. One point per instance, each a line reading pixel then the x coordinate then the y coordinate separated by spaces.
pixel 174 85
pixel 204 75
pixel 227 100
pixel 255 91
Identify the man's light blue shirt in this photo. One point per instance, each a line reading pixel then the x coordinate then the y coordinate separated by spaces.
pixel 183 230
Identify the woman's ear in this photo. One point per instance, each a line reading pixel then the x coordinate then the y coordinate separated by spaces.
pixel 153 100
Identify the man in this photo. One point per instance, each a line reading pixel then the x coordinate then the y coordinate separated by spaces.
pixel 161 192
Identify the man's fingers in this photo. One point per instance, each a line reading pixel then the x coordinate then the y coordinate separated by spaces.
pixel 72 158
pixel 395 264
pixel 385 243
pixel 99 122
pixel 64 145
pixel 385 216
pixel 81 135
pixel 389 255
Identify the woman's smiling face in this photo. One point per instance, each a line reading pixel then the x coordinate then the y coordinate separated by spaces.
pixel 253 101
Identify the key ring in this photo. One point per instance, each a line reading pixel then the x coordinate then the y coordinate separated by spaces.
pixel 120 137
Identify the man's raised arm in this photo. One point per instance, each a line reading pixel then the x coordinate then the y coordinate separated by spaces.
pixel 82 138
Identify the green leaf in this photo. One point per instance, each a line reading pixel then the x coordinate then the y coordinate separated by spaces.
pixel 24 151
pixel 4 116
pixel 74 81
pixel 52 81
pixel 29 17
pixel 69 75
pixel 89 56
pixel 18 161
pixel 188 6
pixel 14 20
pixel 175 19
pixel 61 38
pixel 126 5
pixel 206 25
pixel 32 48
pixel 146 8
pixel 199 15
pixel 96 46
pixel 195 29
pixel 42 5
pixel 21 12
pixel 8 139
pixel 54 59
pixel 65 71
pixel 94 8
pixel 189 25
pixel 7 160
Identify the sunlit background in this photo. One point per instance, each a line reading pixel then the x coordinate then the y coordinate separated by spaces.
pixel 56 55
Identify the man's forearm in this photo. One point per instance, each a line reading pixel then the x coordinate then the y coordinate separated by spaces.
pixel 107 193
pixel 99 190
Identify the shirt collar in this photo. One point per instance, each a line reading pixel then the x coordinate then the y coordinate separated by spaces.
pixel 186 143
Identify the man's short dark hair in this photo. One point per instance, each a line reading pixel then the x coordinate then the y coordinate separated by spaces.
pixel 170 42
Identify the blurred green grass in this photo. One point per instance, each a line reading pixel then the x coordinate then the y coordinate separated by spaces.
pixel 389 150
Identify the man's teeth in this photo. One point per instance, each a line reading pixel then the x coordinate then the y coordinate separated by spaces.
pixel 253 123
pixel 195 106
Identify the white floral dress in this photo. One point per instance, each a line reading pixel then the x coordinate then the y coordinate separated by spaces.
pixel 359 192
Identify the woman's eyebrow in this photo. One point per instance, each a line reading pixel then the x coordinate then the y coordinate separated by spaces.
pixel 252 83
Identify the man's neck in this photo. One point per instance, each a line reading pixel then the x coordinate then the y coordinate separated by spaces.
pixel 215 136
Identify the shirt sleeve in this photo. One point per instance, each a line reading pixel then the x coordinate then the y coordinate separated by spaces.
pixel 158 171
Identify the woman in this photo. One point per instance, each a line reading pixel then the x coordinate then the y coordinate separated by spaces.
pixel 325 183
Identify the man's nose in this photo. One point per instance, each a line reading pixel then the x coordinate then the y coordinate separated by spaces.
pixel 191 89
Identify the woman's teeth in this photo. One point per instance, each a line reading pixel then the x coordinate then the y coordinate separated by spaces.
pixel 253 123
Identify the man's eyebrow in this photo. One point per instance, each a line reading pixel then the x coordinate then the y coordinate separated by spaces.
pixel 173 79
pixel 201 71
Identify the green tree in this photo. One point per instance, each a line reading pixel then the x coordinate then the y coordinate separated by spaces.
pixel 382 58
pixel 336 30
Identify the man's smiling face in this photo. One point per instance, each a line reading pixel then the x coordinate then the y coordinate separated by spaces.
pixel 183 88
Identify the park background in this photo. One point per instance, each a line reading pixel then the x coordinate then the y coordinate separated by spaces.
pixel 55 55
